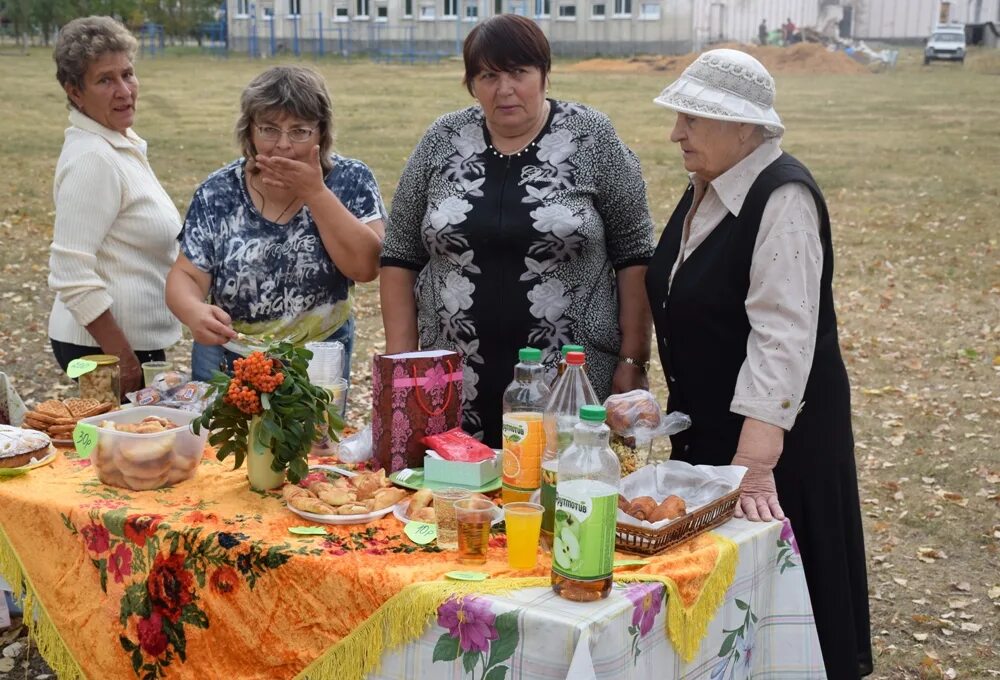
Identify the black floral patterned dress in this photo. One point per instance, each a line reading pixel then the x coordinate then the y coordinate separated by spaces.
pixel 519 250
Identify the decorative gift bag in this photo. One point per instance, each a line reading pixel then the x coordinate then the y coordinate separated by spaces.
pixel 413 394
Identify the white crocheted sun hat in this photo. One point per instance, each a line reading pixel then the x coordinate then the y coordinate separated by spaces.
pixel 725 85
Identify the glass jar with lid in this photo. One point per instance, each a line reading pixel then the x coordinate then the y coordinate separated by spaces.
pixel 104 382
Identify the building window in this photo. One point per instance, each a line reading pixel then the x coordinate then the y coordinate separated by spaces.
pixel 427 13
pixel 598 11
pixel 623 8
pixel 294 8
pixel 381 13
pixel 408 8
pixel 567 11
pixel 340 13
pixel 472 11
pixel 242 7
pixel 450 8
pixel 518 7
pixel 542 8
pixel 268 13
pixel 362 10
pixel 649 11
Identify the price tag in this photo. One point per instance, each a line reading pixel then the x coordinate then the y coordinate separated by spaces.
pixel 307 531
pixel 630 563
pixel 421 533
pixel 467 576
pixel 78 367
pixel 85 439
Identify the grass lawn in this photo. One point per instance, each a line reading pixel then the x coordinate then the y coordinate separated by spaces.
pixel 908 161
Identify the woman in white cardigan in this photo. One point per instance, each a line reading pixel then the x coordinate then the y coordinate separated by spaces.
pixel 116 228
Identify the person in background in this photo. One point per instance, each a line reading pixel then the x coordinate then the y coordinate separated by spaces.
pixel 115 230
pixel 276 239
pixel 741 292
pixel 788 31
pixel 762 32
pixel 518 221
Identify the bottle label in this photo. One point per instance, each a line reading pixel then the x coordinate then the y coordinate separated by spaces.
pixel 549 478
pixel 584 546
pixel 523 442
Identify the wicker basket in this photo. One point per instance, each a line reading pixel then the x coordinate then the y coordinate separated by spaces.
pixel 651 542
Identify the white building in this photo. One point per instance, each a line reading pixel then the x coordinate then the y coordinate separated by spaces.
pixel 419 29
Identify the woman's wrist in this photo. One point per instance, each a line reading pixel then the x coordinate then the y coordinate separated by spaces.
pixel 637 362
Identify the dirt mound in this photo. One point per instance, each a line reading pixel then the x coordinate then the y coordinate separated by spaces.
pixel 801 58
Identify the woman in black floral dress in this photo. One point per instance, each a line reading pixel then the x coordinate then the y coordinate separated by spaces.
pixel 520 221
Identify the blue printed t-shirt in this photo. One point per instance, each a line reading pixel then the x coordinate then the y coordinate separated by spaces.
pixel 274 279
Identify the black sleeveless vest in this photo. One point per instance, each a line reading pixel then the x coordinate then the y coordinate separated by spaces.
pixel 702 330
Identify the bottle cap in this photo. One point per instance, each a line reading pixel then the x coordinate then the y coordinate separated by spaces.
pixel 575 358
pixel 529 354
pixel 566 349
pixel 592 413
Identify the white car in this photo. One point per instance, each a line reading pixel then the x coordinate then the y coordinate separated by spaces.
pixel 946 44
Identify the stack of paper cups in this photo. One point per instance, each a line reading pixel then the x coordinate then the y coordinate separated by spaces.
pixel 327 364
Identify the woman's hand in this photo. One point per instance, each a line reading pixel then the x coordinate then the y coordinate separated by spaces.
pixel 305 180
pixel 759 450
pixel 210 325
pixel 628 377
pixel 130 372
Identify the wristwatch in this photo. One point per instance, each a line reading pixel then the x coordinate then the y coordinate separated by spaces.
pixel 641 365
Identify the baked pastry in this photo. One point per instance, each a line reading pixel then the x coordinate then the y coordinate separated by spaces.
pixel 672 507
pixel 421 499
pixel 18 446
pixel 642 507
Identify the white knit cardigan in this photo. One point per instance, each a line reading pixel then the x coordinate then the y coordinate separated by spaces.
pixel 114 240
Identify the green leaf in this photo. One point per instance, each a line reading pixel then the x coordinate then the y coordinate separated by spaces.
pixel 115 522
pixel 176 637
pixel 496 673
pixel 135 602
pixel 727 644
pixel 136 660
pixel 126 644
pixel 446 648
pixel 503 647
pixel 194 616
pixel 742 605
pixel 470 659
pixel 102 567
pixel 298 469
pixel 265 400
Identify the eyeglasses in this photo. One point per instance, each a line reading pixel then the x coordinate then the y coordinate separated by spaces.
pixel 269 133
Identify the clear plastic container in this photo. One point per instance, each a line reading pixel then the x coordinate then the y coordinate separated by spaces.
pixel 571 391
pixel 104 382
pixel 146 461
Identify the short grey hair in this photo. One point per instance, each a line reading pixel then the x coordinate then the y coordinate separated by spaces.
pixel 83 41
pixel 292 90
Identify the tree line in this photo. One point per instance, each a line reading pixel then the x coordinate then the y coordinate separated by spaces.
pixel 180 19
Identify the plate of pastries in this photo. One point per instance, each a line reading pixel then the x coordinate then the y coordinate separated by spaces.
pixel 343 498
pixel 58 417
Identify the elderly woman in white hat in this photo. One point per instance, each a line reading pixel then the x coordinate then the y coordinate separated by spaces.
pixel 740 288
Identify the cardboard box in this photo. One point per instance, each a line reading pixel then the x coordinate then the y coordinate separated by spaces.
pixel 473 475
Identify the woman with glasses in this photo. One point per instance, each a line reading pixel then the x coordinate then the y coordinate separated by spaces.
pixel 115 232
pixel 273 242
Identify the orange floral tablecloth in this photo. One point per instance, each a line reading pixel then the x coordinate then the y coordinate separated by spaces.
pixel 204 580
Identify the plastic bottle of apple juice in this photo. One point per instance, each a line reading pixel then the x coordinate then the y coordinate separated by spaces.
pixel 570 391
pixel 586 507
pixel 522 430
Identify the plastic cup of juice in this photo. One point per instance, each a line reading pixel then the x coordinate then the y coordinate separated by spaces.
pixel 444 510
pixel 524 523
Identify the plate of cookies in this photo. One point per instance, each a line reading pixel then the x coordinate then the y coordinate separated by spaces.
pixel 335 498
pixel 58 417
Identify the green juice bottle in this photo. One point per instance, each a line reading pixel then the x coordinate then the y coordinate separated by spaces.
pixel 571 391
pixel 585 511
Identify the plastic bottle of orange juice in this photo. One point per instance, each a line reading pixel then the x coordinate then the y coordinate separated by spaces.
pixel 522 430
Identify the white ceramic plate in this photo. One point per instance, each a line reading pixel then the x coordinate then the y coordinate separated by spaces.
pixel 343 519
pixel 399 512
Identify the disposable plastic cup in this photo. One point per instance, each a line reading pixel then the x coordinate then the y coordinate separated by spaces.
pixel 524 524
pixel 474 517
pixel 444 511
pixel 150 369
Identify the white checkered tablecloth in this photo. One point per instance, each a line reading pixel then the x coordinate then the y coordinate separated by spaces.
pixel 764 629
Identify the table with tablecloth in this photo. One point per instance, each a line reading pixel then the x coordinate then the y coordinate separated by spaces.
pixel 205 580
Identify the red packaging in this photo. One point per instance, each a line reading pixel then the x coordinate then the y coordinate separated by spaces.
pixel 456 445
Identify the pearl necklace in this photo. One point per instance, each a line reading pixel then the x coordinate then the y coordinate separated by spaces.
pixel 527 147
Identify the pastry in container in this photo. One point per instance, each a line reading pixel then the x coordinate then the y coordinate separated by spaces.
pixel 147 447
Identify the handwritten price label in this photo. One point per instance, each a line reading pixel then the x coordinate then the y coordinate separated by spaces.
pixel 78 367
pixel 421 533
pixel 85 439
